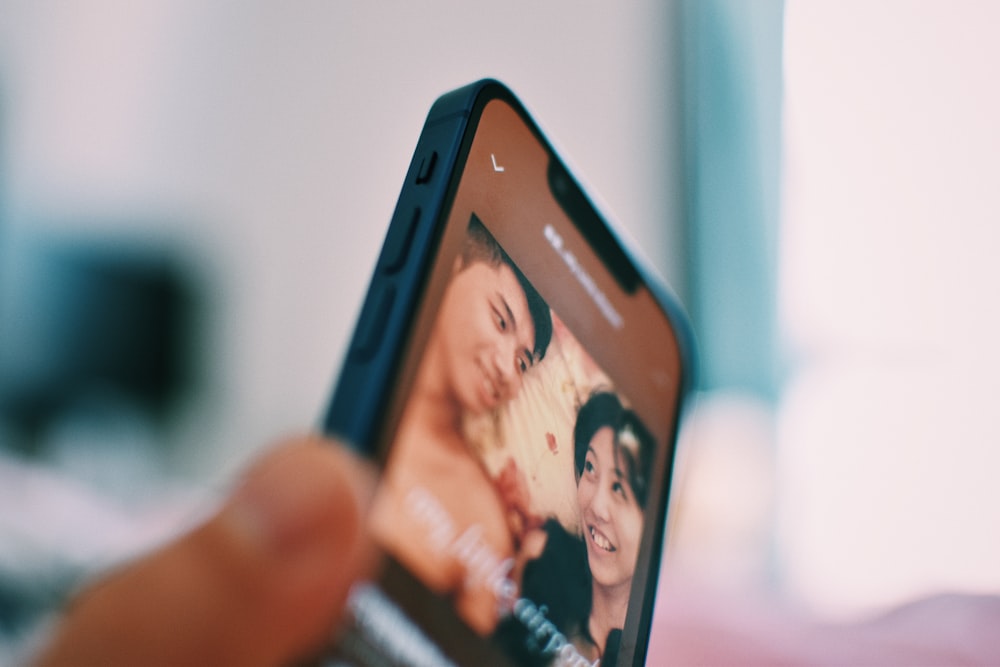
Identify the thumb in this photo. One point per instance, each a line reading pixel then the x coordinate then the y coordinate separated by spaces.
pixel 261 583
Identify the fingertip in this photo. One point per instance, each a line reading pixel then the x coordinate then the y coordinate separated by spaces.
pixel 302 511
pixel 262 582
pixel 303 489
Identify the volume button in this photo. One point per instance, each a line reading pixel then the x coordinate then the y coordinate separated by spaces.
pixel 397 246
pixel 372 323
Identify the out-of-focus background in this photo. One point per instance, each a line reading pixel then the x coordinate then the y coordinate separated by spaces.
pixel 192 197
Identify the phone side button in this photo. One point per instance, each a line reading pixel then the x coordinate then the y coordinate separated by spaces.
pixel 426 168
pixel 371 324
pixel 397 246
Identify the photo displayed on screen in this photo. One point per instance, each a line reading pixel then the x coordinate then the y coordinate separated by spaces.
pixel 516 484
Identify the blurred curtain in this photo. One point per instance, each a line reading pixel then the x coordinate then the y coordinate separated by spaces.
pixel 731 89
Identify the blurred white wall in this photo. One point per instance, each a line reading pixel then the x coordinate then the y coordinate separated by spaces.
pixel 887 431
pixel 268 141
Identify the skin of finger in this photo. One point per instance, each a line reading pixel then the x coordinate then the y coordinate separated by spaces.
pixel 233 591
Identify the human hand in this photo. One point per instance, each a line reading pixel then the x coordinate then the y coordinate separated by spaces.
pixel 263 582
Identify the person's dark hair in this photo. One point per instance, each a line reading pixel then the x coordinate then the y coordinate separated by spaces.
pixel 480 246
pixel 634 444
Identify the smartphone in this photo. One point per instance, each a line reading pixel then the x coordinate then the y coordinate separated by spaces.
pixel 518 374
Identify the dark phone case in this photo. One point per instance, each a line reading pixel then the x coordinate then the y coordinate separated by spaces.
pixel 378 343
pixel 357 410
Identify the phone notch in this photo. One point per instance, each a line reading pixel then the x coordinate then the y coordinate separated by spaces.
pixel 579 209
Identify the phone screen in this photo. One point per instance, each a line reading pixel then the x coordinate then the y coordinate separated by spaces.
pixel 526 465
